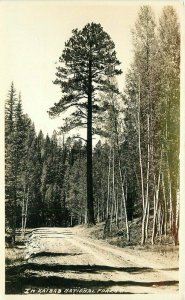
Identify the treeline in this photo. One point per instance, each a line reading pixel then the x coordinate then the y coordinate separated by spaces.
pixel 136 163
pixel 144 132
pixel 41 179
pixel 152 99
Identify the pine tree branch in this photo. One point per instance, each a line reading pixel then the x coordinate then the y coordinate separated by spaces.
pixel 79 137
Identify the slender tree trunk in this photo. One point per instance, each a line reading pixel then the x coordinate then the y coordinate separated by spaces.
pixel 120 172
pixel 143 237
pixel 141 169
pixel 154 218
pixel 177 228
pixel 155 214
pixel 113 182
pixel 165 206
pixel 159 222
pixel 147 219
pixel 170 194
pixel 124 201
pixel 108 184
pixel 26 211
pixel 156 197
pixel 146 200
pixel 90 198
pixel 111 216
pixel 23 212
pixel 121 212
pixel 172 178
pixel 14 214
pixel 174 212
pixel 140 155
pixel 98 212
pixel 85 215
pixel 122 183
pixel 117 209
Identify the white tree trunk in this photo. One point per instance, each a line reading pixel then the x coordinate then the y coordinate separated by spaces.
pixel 108 183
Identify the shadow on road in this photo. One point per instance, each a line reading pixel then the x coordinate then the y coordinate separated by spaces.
pixel 52 254
pixel 54 282
pixel 77 268
pixel 24 276
pixel 170 269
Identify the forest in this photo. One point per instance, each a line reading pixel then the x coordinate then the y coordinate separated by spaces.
pixel 130 171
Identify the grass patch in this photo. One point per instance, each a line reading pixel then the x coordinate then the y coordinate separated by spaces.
pixel 14 256
pixel 118 237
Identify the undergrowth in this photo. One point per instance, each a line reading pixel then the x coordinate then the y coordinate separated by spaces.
pixel 14 256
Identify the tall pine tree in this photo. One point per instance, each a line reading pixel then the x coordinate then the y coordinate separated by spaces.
pixel 88 58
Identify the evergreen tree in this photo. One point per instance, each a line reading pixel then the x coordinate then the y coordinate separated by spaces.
pixel 88 58
pixel 14 157
pixel 27 176
pixel 19 145
pixel 10 200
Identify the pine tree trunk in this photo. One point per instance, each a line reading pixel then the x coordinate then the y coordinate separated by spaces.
pixel 113 183
pixel 90 198
pixel 108 184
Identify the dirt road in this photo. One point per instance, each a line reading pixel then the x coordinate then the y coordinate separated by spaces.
pixel 59 260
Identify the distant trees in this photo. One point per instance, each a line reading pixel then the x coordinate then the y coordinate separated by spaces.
pixel 44 179
pixel 88 59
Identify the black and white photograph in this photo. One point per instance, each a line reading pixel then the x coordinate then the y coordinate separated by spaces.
pixel 90 100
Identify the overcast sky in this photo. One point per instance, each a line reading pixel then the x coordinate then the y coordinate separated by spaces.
pixel 32 38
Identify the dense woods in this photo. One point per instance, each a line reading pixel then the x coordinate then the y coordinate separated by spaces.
pixel 135 161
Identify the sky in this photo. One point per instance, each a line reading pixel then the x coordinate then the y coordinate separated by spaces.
pixel 33 35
